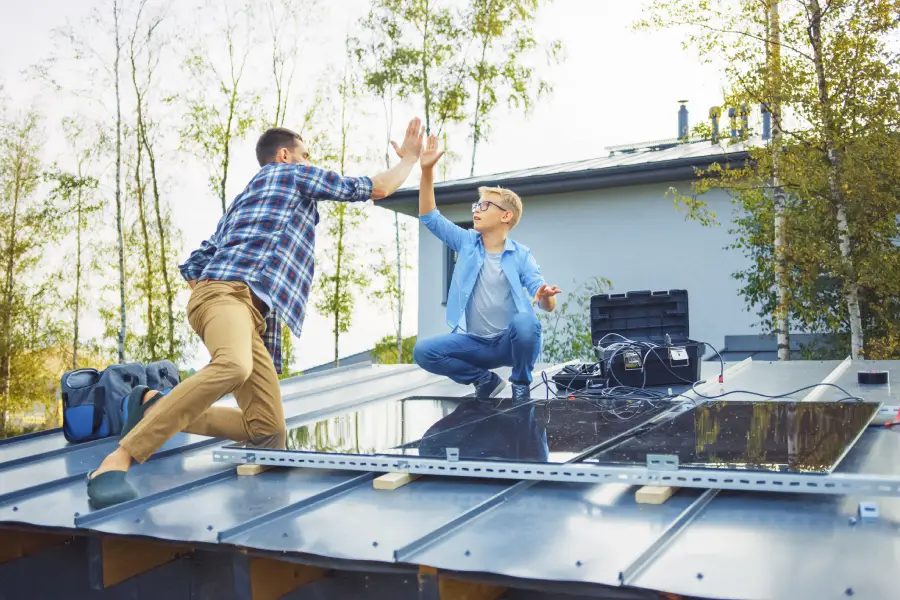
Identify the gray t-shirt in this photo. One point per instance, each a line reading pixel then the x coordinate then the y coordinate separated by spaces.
pixel 491 306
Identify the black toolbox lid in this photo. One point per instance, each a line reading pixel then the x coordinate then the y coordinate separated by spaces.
pixel 640 316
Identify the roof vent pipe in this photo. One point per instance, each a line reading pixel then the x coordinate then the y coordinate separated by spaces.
pixel 766 121
pixel 732 113
pixel 745 120
pixel 715 114
pixel 682 121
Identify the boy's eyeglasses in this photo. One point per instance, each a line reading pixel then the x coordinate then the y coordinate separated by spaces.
pixel 483 205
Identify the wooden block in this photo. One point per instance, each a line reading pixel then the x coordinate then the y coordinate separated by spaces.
pixel 451 588
pixel 391 481
pixel 654 494
pixel 253 469
pixel 15 544
pixel 125 558
pixel 272 579
pixel 457 589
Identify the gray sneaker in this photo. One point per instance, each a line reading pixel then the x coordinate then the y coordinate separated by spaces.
pixel 491 388
pixel 521 393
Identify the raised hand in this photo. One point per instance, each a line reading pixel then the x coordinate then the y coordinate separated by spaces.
pixel 430 155
pixel 545 292
pixel 412 142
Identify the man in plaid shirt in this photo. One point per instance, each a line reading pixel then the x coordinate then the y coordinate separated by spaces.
pixel 255 270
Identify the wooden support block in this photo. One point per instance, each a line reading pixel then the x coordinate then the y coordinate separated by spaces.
pixel 654 494
pixel 457 589
pixel 391 481
pixel 124 558
pixel 433 586
pixel 272 579
pixel 253 469
pixel 15 544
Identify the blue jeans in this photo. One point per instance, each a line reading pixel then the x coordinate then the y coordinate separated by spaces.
pixel 467 359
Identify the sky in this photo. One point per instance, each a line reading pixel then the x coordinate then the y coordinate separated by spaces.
pixel 614 86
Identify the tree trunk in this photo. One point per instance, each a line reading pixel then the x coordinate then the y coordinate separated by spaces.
pixel 337 284
pixel 226 143
pixel 835 194
pixel 77 311
pixel 427 92
pixel 387 164
pixel 163 249
pixel 475 133
pixel 399 290
pixel 148 263
pixel 6 356
pixel 782 323
pixel 120 233
pixel 140 188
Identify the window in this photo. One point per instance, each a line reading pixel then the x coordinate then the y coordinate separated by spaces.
pixel 449 263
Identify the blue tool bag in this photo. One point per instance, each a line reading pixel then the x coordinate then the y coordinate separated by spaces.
pixel 93 400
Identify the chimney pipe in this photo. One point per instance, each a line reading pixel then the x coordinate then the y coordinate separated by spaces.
pixel 767 121
pixel 714 114
pixel 745 120
pixel 682 121
pixel 732 113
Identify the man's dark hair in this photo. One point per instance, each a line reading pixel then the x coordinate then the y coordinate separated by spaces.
pixel 272 141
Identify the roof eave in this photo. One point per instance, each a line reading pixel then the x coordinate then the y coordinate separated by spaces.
pixel 560 183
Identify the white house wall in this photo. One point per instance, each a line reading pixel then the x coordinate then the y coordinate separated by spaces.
pixel 632 236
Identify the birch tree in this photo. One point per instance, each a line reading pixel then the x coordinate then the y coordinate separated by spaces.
pixel 344 277
pixel 28 225
pixel 383 61
pixel 502 31
pixel 76 192
pixel 836 94
pixel 221 108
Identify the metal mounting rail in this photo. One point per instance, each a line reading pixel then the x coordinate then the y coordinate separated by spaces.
pixel 722 479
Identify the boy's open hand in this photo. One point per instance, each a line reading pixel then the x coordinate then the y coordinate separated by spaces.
pixel 430 154
pixel 412 143
pixel 545 292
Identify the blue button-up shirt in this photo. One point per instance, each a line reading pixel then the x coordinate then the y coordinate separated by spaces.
pixel 517 263
pixel 267 240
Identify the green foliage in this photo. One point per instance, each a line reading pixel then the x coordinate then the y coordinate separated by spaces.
pixel 30 327
pixel 385 351
pixel 343 277
pixel 503 35
pixel 220 110
pixel 417 46
pixel 567 330
pixel 839 96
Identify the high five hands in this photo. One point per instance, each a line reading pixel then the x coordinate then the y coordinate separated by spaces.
pixel 544 293
pixel 412 142
pixel 427 157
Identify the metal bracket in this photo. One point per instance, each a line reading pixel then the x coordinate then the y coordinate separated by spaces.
pixel 868 510
pixel 662 462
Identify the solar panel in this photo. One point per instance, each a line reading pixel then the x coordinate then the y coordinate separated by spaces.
pixel 802 437
pixel 544 431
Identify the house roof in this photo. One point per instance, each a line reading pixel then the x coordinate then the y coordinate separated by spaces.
pixel 558 535
pixel 651 163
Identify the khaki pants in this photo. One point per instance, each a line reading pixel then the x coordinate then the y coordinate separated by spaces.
pixel 223 315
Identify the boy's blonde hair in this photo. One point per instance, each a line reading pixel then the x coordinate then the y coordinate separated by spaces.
pixel 508 199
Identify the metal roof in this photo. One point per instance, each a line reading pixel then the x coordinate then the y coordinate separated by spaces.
pixel 741 545
pixel 673 163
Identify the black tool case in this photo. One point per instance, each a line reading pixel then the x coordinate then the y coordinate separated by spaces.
pixel 659 318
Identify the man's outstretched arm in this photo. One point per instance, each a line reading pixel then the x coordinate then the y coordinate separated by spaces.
pixel 386 183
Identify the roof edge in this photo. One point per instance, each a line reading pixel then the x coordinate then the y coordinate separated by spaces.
pixel 559 183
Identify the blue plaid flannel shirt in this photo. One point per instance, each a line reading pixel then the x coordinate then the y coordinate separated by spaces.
pixel 267 237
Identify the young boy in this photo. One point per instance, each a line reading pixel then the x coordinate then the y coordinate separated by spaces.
pixel 255 270
pixel 492 319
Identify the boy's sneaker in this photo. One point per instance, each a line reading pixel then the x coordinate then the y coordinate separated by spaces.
pixel 521 393
pixel 491 388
